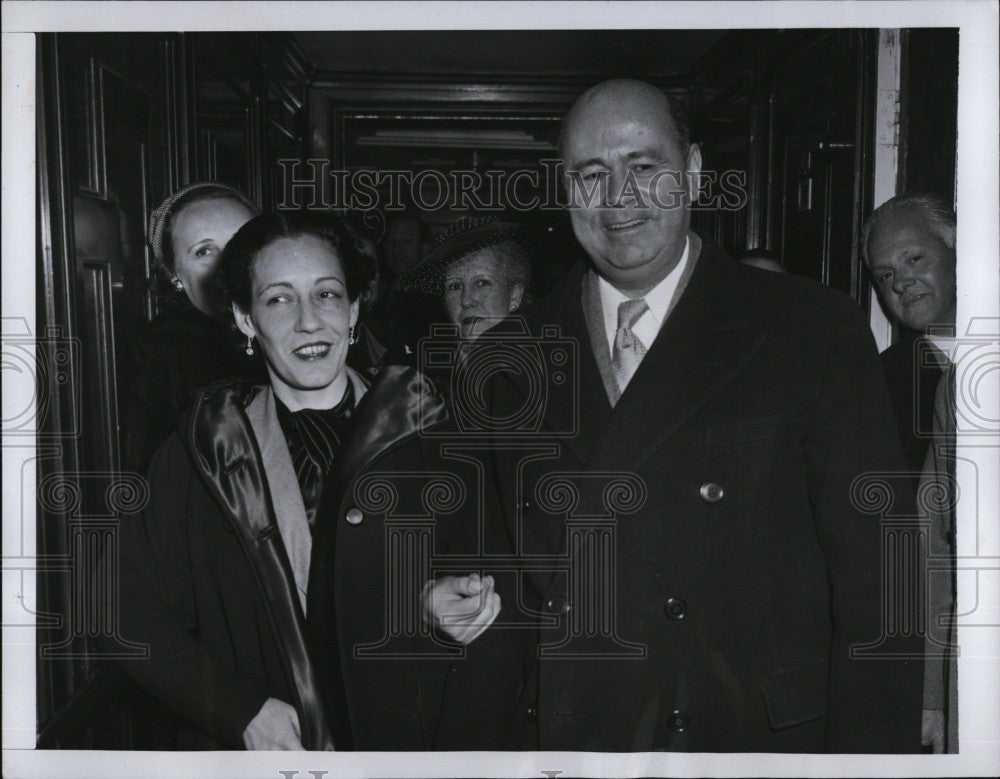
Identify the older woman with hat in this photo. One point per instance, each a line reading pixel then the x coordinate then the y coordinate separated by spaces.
pixel 189 343
pixel 480 268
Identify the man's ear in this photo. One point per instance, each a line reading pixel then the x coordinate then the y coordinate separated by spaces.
pixel 243 322
pixel 693 170
pixel 516 296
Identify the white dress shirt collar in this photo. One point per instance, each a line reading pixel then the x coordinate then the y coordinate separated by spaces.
pixel 657 299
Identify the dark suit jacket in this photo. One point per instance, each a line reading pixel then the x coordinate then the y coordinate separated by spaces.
pixel 912 375
pixel 716 609
pixel 181 350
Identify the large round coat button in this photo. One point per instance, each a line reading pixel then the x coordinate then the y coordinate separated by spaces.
pixel 533 712
pixel 679 721
pixel 354 515
pixel 675 608
pixel 711 493
pixel 557 605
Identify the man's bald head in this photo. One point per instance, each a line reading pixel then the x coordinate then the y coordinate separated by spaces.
pixel 619 93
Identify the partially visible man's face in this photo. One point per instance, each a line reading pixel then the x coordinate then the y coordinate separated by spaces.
pixel 402 247
pixel 913 269
pixel 624 140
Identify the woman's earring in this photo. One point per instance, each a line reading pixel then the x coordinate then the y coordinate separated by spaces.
pixel 249 346
pixel 351 340
pixel 178 284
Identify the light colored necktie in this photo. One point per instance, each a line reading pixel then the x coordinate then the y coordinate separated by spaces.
pixel 629 350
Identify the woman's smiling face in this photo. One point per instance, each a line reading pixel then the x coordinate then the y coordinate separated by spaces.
pixel 301 315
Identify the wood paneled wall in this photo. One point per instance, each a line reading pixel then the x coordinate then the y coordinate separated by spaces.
pixel 793 110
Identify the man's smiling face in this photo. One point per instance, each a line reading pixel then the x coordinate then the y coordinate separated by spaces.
pixel 914 269
pixel 620 137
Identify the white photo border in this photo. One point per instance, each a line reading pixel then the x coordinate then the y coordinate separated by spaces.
pixel 978 200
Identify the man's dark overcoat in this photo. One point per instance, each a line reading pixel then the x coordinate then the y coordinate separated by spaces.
pixel 713 561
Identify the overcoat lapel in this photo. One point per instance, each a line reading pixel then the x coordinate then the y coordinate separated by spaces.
pixel 226 453
pixel 286 496
pixel 289 511
pixel 402 402
pixel 589 408
pixel 705 342
pixel 707 339
pixel 511 391
pixel 593 315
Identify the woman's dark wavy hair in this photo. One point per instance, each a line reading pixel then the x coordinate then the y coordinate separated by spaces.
pixel 236 264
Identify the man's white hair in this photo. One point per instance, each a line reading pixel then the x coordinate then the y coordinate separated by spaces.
pixel 939 214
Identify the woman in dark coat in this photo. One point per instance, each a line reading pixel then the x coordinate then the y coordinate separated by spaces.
pixel 188 345
pixel 420 669
pixel 214 571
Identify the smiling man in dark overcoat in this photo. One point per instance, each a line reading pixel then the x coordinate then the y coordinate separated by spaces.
pixel 693 526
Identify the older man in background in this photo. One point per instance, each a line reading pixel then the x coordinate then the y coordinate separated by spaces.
pixel 909 244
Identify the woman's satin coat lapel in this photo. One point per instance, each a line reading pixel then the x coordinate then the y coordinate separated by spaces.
pixel 286 499
pixel 225 451
pixel 401 402
pixel 235 441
